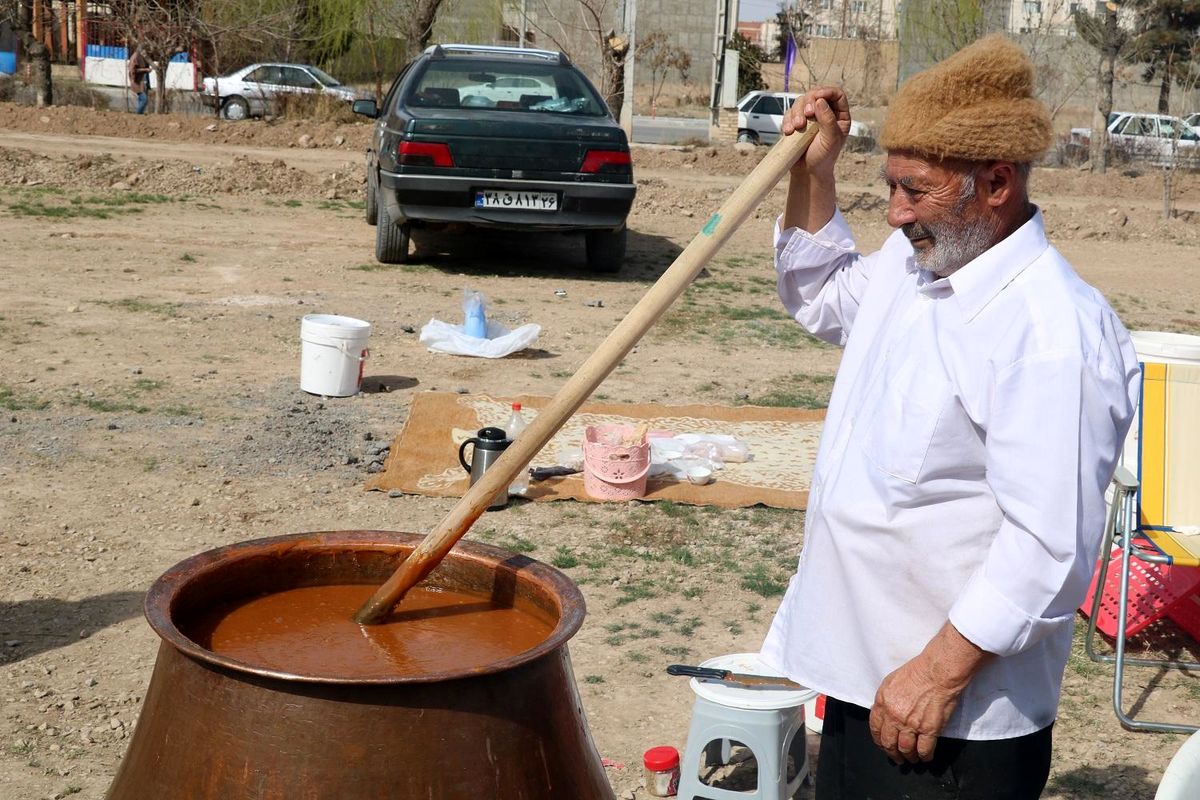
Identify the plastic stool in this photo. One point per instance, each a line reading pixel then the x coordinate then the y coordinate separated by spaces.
pixel 768 721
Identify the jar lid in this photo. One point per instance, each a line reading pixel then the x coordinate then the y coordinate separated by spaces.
pixel 661 759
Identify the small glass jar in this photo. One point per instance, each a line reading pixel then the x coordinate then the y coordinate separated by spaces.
pixel 662 771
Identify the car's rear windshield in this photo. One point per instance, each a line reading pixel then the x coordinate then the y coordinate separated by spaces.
pixel 527 86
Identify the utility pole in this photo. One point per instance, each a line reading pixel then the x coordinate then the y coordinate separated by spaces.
pixel 629 26
pixel 524 26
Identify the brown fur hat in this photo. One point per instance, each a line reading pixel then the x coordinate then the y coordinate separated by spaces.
pixel 978 105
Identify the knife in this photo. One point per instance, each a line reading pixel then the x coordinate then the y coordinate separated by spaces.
pixel 710 674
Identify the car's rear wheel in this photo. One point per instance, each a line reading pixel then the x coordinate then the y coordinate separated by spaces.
pixel 391 238
pixel 372 206
pixel 606 250
pixel 747 137
pixel 235 108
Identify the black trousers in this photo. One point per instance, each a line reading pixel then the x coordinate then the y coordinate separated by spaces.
pixel 852 767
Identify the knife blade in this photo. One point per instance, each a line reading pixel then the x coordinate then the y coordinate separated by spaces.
pixel 711 674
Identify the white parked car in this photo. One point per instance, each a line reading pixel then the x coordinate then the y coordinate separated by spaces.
pixel 760 116
pixel 250 90
pixel 506 90
pixel 1159 139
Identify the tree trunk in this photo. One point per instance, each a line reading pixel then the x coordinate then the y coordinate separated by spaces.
pixel 39 67
pixel 160 94
pixel 1164 89
pixel 420 27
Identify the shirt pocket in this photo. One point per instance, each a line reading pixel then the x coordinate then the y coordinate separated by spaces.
pixel 902 428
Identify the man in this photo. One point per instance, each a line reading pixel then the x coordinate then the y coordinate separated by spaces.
pixel 139 78
pixel 957 502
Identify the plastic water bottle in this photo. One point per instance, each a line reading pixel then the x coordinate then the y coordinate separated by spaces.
pixel 475 322
pixel 516 424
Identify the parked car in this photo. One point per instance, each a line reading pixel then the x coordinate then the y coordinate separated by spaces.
pixel 1159 139
pixel 760 118
pixel 497 137
pixel 250 90
pixel 1193 119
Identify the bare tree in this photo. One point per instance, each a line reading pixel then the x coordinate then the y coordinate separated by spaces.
pixel 589 26
pixel 656 53
pixel 1111 41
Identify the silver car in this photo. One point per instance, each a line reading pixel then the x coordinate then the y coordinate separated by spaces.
pixel 250 90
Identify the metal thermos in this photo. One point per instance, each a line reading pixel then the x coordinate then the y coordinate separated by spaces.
pixel 489 444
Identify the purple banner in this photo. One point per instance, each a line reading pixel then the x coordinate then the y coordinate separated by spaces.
pixel 789 58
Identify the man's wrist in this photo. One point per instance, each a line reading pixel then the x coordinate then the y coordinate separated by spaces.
pixel 953 659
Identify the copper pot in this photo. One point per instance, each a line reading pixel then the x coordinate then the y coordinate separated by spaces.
pixel 218 729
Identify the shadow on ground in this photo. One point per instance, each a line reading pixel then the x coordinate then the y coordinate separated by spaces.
pixel 1133 783
pixel 47 624
pixel 475 251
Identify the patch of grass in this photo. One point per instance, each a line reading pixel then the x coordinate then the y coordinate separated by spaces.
pixel 147 385
pixel 675 650
pixel 637 657
pixel 753 608
pixel 764 581
pixel 180 411
pixel 563 558
pixel 664 618
pixel 688 626
pixel 188 258
pixel 292 203
pixel 692 592
pixel 593 679
pixel 93 206
pixel 138 305
pixel 638 590
pixel 681 555
pixel 797 391
pixel 106 406
pixel 11 401
pixel 518 544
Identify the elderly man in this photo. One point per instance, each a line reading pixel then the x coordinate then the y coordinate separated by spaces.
pixel 957 501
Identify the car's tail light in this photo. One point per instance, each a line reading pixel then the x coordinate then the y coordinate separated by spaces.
pixel 606 161
pixel 424 154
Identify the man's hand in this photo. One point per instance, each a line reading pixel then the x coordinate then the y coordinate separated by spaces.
pixel 914 703
pixel 830 108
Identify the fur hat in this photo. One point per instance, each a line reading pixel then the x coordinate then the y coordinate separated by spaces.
pixel 977 105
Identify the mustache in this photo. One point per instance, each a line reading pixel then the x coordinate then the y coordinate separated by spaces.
pixel 915 230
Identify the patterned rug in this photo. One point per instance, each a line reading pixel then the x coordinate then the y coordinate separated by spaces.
pixel 782 441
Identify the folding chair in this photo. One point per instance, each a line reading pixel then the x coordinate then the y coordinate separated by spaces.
pixel 1156 572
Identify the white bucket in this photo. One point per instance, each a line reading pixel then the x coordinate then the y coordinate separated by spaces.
pixel 1157 347
pixel 333 351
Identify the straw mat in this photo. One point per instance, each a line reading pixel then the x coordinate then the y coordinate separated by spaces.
pixel 783 441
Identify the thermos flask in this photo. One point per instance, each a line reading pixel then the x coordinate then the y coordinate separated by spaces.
pixel 489 444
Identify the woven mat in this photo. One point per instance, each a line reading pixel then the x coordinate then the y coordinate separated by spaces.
pixel 783 441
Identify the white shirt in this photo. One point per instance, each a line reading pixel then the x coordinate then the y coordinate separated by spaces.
pixel 974 426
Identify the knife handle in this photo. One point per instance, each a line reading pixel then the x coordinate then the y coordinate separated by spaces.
pixel 697 672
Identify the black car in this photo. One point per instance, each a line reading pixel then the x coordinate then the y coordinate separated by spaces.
pixel 497 137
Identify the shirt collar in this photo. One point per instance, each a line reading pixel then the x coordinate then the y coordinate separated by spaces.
pixel 980 280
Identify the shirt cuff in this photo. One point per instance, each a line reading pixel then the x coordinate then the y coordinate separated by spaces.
pixel 991 621
pixel 834 239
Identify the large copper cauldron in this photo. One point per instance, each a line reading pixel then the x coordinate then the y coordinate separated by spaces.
pixel 215 729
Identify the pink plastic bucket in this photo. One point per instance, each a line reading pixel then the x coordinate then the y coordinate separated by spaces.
pixel 613 472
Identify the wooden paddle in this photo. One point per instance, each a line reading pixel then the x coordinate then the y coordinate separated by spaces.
pixel 719 227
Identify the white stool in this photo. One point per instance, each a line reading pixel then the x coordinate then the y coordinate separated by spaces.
pixel 768 721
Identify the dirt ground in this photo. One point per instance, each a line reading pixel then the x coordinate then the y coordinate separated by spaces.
pixel 155 273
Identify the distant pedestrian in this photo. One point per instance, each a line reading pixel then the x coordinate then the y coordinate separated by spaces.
pixel 139 78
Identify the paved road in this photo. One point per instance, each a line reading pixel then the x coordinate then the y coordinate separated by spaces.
pixel 669 130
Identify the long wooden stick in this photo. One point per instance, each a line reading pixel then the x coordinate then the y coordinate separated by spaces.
pixel 719 227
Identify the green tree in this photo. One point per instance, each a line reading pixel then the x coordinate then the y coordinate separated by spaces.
pixel 750 61
pixel 1165 42
pixel 790 20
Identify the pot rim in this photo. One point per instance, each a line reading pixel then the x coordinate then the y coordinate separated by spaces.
pixel 163 593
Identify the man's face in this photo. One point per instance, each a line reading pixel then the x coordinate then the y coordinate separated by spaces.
pixel 936 206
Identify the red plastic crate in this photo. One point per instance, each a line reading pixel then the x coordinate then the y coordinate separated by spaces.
pixel 1154 590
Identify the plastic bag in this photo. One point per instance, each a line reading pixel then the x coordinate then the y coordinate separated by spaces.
pixel 442 337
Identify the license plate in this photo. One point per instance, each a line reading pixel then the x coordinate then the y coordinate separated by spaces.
pixel 526 201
